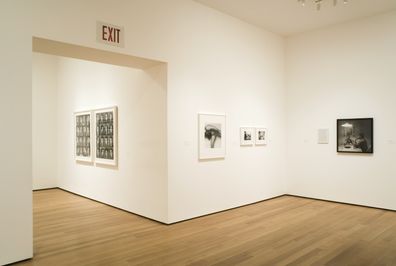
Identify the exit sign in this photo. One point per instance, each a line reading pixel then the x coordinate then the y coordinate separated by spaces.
pixel 110 34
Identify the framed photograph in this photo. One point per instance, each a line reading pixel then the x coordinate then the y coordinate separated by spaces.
pixel 212 136
pixel 261 136
pixel 246 136
pixel 83 136
pixel 106 151
pixel 355 135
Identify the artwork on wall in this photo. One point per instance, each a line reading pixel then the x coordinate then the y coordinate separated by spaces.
pixel 323 136
pixel 211 136
pixel 246 136
pixel 83 136
pixel 355 135
pixel 261 136
pixel 106 136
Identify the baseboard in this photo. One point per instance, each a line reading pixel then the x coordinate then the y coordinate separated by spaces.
pixel 172 223
pixel 340 202
pixel 157 221
pixel 19 261
pixel 233 208
pixel 118 208
pixel 47 188
pixel 229 209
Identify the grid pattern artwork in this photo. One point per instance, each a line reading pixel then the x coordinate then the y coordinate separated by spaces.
pixel 83 135
pixel 105 135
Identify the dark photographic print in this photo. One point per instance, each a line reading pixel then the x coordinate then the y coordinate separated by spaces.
pixel 105 128
pixel 246 136
pixel 355 135
pixel 261 135
pixel 82 136
pixel 211 136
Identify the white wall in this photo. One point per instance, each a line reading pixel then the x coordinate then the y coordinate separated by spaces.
pixel 45 120
pixel 16 132
pixel 215 64
pixel 344 71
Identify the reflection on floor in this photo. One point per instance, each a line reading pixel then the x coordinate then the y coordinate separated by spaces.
pixel 71 230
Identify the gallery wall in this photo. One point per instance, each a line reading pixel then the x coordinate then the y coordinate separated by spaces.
pixel 45 120
pixel 344 71
pixel 216 64
pixel 16 240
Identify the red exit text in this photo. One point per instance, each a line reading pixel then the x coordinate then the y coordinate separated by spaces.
pixel 110 34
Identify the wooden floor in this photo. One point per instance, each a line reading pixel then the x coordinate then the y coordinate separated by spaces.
pixel 71 230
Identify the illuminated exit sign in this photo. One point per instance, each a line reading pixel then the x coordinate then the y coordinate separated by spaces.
pixel 110 34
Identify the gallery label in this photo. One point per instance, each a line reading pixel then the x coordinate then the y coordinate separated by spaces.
pixel 110 34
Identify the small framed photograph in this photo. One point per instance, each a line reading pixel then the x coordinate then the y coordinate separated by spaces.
pixel 106 129
pixel 212 130
pixel 83 136
pixel 355 135
pixel 246 136
pixel 261 136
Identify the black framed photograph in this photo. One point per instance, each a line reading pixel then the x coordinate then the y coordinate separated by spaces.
pixel 355 135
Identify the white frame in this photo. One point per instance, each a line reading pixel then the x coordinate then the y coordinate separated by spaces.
pixel 91 136
pixel 102 161
pixel 256 138
pixel 242 131
pixel 211 153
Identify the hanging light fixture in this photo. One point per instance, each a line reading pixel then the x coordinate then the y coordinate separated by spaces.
pixel 318 3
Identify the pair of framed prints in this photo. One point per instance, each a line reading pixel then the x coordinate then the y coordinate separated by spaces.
pixel 95 136
pixel 251 135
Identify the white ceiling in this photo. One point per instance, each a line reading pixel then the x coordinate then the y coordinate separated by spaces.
pixel 288 17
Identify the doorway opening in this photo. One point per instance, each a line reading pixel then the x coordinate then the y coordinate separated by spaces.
pixel 67 79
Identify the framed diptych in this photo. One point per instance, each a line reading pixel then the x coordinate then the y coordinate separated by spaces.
pixel 261 136
pixel 83 136
pixel 246 136
pixel 106 151
pixel 212 135
pixel 355 135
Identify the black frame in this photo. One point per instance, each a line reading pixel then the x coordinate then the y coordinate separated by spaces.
pixel 371 120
